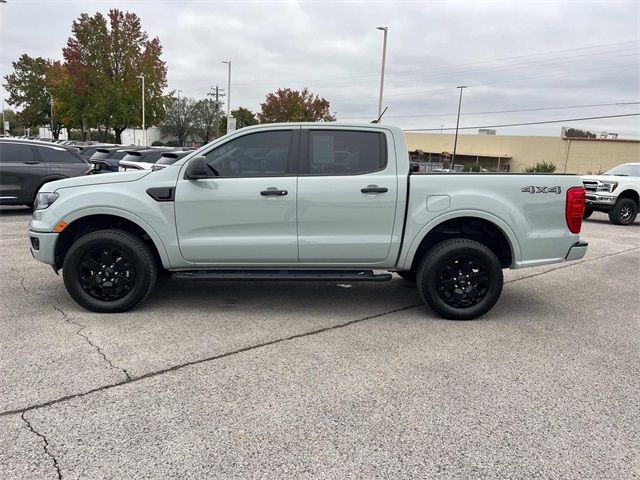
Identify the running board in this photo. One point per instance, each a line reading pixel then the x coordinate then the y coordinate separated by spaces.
pixel 302 275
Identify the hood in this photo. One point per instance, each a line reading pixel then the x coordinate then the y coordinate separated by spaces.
pixel 88 180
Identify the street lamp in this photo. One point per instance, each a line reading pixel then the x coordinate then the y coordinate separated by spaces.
pixel 144 129
pixel 455 142
pixel 228 62
pixel 384 56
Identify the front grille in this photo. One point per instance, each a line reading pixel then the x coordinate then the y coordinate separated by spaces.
pixel 590 185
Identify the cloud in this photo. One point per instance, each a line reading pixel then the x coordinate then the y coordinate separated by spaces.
pixel 512 54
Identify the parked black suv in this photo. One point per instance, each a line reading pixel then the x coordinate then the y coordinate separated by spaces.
pixel 26 165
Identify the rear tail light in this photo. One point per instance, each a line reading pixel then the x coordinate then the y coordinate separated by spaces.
pixel 575 208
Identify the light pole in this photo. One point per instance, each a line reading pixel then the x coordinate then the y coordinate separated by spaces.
pixel 455 142
pixel 144 127
pixel 51 97
pixel 384 57
pixel 4 121
pixel 228 62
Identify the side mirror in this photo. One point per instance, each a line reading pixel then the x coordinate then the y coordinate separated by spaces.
pixel 196 168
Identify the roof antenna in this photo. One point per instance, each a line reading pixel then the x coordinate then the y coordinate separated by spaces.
pixel 380 117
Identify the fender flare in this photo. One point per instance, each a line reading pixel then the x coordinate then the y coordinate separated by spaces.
pixel 516 254
pixel 116 212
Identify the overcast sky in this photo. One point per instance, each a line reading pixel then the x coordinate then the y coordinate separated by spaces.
pixel 513 55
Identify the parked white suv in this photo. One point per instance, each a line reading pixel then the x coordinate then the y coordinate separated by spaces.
pixel 616 192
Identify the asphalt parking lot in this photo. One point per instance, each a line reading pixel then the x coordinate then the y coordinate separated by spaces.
pixel 317 380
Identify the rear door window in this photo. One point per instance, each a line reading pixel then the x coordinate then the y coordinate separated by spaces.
pixel 55 155
pixel 343 152
pixel 16 153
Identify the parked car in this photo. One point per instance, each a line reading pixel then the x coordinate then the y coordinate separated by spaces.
pixel 86 151
pixel 106 159
pixel 148 155
pixel 151 162
pixel 616 192
pixel 27 165
pixel 275 202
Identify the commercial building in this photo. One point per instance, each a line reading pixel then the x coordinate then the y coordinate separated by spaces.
pixel 513 153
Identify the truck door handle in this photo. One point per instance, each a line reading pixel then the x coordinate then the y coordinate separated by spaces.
pixel 273 192
pixel 374 189
pixel 31 163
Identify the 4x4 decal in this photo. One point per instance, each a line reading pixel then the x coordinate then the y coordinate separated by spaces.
pixel 532 189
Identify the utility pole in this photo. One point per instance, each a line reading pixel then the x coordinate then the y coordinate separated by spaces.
pixel 455 142
pixel 384 57
pixel 228 62
pixel 217 93
pixel 51 97
pixel 144 129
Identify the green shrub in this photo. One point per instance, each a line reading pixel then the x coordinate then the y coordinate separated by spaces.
pixel 157 143
pixel 472 168
pixel 541 167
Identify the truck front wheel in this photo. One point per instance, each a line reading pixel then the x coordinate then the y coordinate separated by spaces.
pixel 624 213
pixel 460 279
pixel 109 271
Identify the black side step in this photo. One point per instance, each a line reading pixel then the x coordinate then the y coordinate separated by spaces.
pixel 302 275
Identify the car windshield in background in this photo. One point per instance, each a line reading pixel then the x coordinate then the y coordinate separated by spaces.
pixel 626 170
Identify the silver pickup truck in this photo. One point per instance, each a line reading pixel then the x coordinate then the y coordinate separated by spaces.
pixel 318 201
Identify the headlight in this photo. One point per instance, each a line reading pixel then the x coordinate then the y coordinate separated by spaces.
pixel 607 187
pixel 44 200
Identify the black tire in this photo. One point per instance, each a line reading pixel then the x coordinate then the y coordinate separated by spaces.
pixel 408 275
pixel 587 213
pixel 86 271
pixel 470 293
pixel 624 212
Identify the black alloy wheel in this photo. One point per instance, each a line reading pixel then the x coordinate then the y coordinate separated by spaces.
pixel 109 270
pixel 460 279
pixel 106 273
pixel 463 281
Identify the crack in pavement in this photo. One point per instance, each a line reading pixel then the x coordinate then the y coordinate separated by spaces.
pixel 80 333
pixel 46 444
pixel 204 360
pixel 21 279
pixel 248 348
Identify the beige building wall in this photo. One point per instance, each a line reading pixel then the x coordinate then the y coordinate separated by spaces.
pixel 579 155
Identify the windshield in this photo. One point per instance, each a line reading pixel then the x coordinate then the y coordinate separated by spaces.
pixel 626 170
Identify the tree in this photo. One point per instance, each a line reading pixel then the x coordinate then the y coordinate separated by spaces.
pixel 105 56
pixel 180 118
pixel 244 117
pixel 288 105
pixel 27 87
pixel 207 119
pixel 542 167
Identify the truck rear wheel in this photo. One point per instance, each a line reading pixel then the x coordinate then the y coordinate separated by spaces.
pixel 587 213
pixel 109 271
pixel 460 279
pixel 624 213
